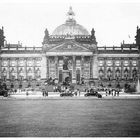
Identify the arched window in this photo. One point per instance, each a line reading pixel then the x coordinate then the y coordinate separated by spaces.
pixel 126 71
pixel 117 73
pixel 101 73
pixel 109 73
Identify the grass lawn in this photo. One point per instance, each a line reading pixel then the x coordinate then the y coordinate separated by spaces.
pixel 70 118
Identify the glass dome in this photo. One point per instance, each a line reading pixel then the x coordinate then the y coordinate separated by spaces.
pixel 70 27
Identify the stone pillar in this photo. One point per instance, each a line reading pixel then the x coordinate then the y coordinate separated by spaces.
pixel 25 61
pixel 139 66
pixel 17 67
pixel 8 69
pixel 34 66
pixel 113 64
pixel 43 67
pixel 47 67
pixel 105 72
pixel 91 67
pixel 95 66
pixel 56 68
pixel 25 68
pixel 74 70
pixel 0 67
pixel 82 65
pixel 130 71
pixel 121 69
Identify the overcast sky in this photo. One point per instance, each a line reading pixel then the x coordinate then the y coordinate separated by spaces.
pixel 113 20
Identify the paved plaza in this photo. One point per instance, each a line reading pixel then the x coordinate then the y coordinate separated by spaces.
pixel 69 118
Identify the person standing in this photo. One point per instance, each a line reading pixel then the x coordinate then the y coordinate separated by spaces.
pixel 27 93
pixel 75 92
pixel 43 92
pixel 118 92
pixel 106 91
pixel 115 90
pixel 46 93
pixel 78 92
pixel 54 89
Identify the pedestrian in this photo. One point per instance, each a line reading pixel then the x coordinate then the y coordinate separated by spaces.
pixel 75 92
pixel 43 92
pixel 78 92
pixel 54 88
pixel 112 92
pixel 106 91
pixel 46 93
pixel 109 91
pixel 115 91
pixel 27 93
pixel 118 92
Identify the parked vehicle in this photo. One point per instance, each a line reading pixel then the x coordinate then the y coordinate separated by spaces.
pixel 66 94
pixel 93 93
pixel 4 93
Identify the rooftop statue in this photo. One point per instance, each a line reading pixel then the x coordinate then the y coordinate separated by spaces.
pixel 2 38
pixel 93 38
pixel 46 37
pixel 138 37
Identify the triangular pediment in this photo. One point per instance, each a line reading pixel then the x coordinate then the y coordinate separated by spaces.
pixel 69 46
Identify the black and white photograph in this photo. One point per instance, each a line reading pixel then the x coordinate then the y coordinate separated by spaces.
pixel 69 68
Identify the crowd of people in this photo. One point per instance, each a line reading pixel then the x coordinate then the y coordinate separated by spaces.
pixel 44 93
pixel 112 92
pixel 108 91
pixel 67 90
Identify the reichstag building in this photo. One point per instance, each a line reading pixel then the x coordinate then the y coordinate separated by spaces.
pixel 70 54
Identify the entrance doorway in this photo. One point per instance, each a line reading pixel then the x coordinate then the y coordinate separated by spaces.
pixel 65 76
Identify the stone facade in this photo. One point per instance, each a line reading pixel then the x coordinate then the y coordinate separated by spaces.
pixel 70 56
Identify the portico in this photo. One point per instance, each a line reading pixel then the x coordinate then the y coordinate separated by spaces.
pixel 62 67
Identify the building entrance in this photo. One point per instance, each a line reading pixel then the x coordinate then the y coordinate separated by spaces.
pixel 65 76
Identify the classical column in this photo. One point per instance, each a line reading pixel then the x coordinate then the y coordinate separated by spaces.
pixel 139 66
pixel 105 77
pixel 43 67
pixel 130 71
pixel 56 68
pixel 95 66
pixel 113 64
pixel 8 69
pixel 91 63
pixel 17 67
pixel 25 66
pixel 82 65
pixel 34 65
pixel 121 69
pixel 47 67
pixel 74 70
pixel 0 67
